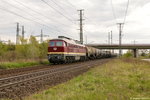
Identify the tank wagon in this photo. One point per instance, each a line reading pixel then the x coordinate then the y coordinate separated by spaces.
pixel 66 50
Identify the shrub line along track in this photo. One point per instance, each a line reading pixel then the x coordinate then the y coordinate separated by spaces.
pixel 25 84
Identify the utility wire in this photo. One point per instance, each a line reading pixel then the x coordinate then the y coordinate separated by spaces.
pixel 28 18
pixel 21 9
pixel 73 6
pixel 58 11
pixel 113 11
pixel 58 5
pixel 126 13
pixel 38 12
pixel 20 16
pixel 126 10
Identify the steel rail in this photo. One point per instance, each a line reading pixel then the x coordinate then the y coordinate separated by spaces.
pixel 18 86
pixel 31 76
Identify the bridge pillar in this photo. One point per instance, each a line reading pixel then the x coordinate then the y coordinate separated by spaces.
pixel 135 53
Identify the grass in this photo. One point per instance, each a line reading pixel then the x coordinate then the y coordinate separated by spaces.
pixel 120 79
pixel 20 64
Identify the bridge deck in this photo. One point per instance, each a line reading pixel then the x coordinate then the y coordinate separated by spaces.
pixel 123 46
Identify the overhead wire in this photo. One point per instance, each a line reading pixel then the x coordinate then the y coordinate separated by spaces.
pixel 66 17
pixel 58 11
pixel 124 20
pixel 113 11
pixel 73 6
pixel 20 9
pixel 126 13
pixel 38 12
pixel 30 19
pixel 20 16
pixel 35 21
pixel 114 15
pixel 58 5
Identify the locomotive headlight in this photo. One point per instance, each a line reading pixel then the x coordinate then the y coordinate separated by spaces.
pixel 59 57
pixel 49 57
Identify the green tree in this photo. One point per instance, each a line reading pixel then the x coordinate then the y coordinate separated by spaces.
pixel 9 54
pixel 27 50
pixel 128 54
pixel 43 50
pixel 33 48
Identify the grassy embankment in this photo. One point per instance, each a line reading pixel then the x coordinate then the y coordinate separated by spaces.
pixel 117 80
pixel 21 64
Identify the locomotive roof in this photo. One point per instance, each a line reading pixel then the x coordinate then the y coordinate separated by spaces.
pixel 71 41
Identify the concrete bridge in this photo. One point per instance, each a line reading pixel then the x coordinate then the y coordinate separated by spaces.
pixel 134 47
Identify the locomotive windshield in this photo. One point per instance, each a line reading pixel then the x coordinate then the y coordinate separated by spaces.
pixel 52 43
pixel 59 43
pixel 56 43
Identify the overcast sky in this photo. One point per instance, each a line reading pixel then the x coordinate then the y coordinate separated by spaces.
pixel 59 17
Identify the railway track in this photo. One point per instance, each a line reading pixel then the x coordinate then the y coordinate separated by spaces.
pixel 9 72
pixel 19 71
pixel 25 84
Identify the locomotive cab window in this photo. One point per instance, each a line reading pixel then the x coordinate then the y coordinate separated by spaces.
pixel 59 43
pixel 52 43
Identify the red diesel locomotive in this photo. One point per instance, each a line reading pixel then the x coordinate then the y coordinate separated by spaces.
pixel 65 50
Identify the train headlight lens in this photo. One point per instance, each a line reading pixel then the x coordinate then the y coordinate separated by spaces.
pixel 49 57
pixel 59 57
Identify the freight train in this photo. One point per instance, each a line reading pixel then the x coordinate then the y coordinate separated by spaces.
pixel 67 50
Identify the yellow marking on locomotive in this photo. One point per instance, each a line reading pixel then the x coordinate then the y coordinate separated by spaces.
pixel 66 53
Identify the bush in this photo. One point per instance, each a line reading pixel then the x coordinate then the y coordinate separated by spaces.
pixel 27 50
pixel 128 54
